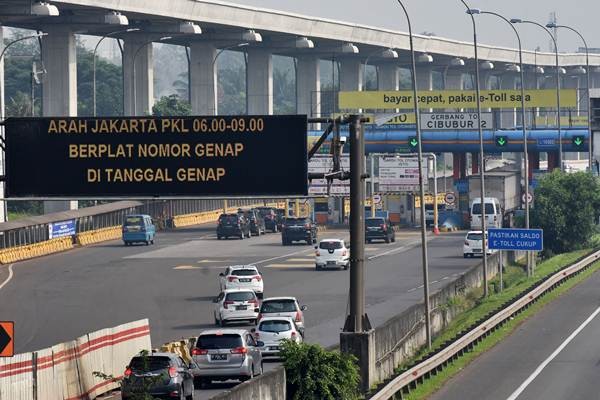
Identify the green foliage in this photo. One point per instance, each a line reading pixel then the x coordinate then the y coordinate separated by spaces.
pixel 171 106
pixel 314 373
pixel 231 91
pixel 566 208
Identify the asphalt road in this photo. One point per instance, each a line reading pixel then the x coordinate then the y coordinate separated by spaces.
pixel 554 355
pixel 60 297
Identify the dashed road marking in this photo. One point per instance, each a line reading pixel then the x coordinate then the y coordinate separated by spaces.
pixel 212 261
pixel 192 267
pixel 412 290
pixel 284 266
pixel 434 282
pixel 300 259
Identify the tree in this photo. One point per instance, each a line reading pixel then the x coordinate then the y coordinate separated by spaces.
pixel 566 208
pixel 171 106
pixel 231 90
pixel 313 373
pixel 109 85
pixel 284 92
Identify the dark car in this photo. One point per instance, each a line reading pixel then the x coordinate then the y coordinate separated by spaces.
pixel 255 221
pixel 379 229
pixel 298 229
pixel 270 217
pixel 160 375
pixel 232 225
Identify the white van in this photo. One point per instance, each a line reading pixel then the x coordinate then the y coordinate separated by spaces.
pixel 493 213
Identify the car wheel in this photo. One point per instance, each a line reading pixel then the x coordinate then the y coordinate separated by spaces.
pixel 318 267
pixel 152 241
pixel 147 242
pixel 346 266
pixel 221 323
pixel 242 236
pixel 275 230
pixel 394 239
pixel 219 237
pixel 387 239
pixel 191 395
pixel 216 320
pixel 201 383
pixel 126 243
pixel 368 241
pixel 261 368
pixel 314 241
pixel 309 240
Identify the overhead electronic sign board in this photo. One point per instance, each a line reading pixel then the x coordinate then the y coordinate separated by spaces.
pixel 156 157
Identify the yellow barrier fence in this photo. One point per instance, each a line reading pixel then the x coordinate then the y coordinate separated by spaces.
pixel 99 235
pixel 20 253
pixel 212 216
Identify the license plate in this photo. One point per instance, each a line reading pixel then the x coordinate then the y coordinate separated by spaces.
pixel 241 307
pixel 477 250
pixel 330 262
pixel 217 357
pixel 274 348
pixel 245 280
pixel 373 229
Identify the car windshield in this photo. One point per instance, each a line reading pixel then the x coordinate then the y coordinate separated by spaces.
pixel 330 245
pixel 474 236
pixel 243 272
pixel 275 326
pixel 264 211
pixel 240 296
pixel 294 221
pixel 149 363
pixel 374 222
pixel 277 306
pixel 489 208
pixel 226 341
pixel 129 221
pixel 229 218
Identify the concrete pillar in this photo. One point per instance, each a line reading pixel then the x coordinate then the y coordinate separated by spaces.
pixel 424 78
pixel 572 82
pixel 508 116
pixel 534 163
pixel 454 79
pixel 259 82
pixel 203 78
pixel 351 74
pixel 144 75
pixel 308 83
pixel 2 116
pixel 59 86
pixel 389 77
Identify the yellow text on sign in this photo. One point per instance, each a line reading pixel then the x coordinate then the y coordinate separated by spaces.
pixel 441 199
pixel 437 99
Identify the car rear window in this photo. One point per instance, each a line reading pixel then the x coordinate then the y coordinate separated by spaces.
pixel 243 272
pixel 150 363
pixel 129 221
pixel 276 306
pixel 489 209
pixel 240 296
pixel 264 211
pixel 474 236
pixel 330 245
pixel 294 221
pixel 275 326
pixel 228 218
pixel 226 341
pixel 374 221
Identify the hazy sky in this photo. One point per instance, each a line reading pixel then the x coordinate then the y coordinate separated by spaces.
pixel 446 18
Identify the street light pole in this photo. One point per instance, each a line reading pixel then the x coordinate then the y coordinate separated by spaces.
pixel 587 70
pixel 481 158
pixel 523 124
pixel 94 62
pixel 134 78
pixel 560 144
pixel 424 258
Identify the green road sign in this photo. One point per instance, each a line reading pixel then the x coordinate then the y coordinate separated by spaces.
pixel 501 141
pixel 413 142
pixel 578 141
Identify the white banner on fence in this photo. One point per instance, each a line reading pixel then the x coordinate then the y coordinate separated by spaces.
pixel 400 174
pixel 323 163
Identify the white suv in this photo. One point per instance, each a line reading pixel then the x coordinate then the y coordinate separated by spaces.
pixel 332 253
pixel 242 277
pixel 272 330
pixel 473 245
pixel 235 305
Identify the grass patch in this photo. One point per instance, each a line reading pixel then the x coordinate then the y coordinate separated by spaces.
pixel 516 282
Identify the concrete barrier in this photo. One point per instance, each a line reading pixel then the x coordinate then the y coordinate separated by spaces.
pixel 14 254
pixel 268 386
pixel 65 371
pixel 99 235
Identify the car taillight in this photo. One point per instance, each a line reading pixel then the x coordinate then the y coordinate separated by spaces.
pixel 258 278
pixel 293 335
pixel 344 253
pixel 307 226
pixel 384 227
pixel 173 372
pixel 231 278
pixel 317 253
pixel 227 303
pixel 298 317
pixel 239 350
pixel 255 302
pixel 258 317
pixel 199 352
pixel 127 372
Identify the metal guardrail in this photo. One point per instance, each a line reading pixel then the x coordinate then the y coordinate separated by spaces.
pixel 439 359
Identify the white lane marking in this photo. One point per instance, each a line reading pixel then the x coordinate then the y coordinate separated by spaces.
pixel 432 282
pixel 412 290
pixel 547 361
pixel 446 277
pixel 420 287
pixel 392 251
pixel 10 275
pixel 284 266
pixel 306 259
pixel 283 256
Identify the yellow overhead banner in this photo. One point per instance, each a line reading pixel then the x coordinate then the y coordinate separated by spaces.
pixel 387 100
pixel 441 199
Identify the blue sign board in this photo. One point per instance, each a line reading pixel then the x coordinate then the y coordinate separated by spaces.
pixel 516 239
pixel 546 142
pixel 61 229
pixel 462 186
